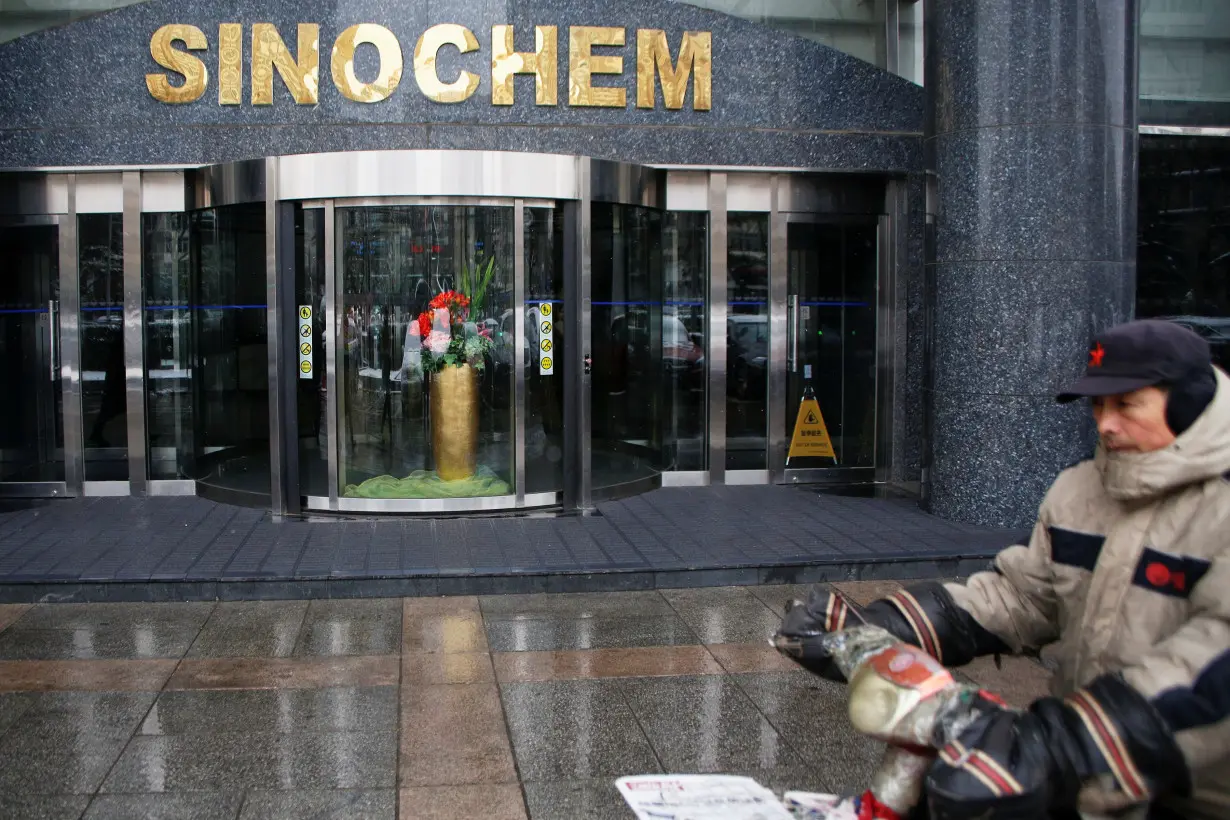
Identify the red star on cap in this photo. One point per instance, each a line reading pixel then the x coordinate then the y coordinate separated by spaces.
pixel 1096 355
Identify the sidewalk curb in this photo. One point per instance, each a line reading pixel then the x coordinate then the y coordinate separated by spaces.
pixel 496 583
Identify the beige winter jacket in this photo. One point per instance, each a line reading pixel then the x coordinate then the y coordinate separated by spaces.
pixel 1128 569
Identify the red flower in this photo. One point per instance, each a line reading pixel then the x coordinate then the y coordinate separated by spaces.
pixel 456 303
pixel 425 324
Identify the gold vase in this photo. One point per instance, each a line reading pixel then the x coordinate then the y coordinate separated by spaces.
pixel 454 421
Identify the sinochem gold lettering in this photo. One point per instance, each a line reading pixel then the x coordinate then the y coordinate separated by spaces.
pixel 649 55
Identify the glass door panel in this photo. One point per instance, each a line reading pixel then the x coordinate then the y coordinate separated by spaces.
pixel 831 343
pixel 104 402
pixel 747 341
pixel 31 427
pixel 543 351
pixel 393 261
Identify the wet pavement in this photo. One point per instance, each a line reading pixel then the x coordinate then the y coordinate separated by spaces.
pixel 504 707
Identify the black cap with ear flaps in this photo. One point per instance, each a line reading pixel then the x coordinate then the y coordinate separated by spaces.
pixel 1144 353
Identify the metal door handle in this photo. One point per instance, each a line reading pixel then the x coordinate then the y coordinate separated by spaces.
pixel 51 333
pixel 792 331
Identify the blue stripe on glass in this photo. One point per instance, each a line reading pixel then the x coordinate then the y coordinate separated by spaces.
pixel 205 307
pixel 7 311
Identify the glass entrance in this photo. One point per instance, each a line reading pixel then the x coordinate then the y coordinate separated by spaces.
pixel 426 381
pixel 831 343
pixel 31 422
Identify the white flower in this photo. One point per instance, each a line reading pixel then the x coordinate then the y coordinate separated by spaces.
pixel 438 342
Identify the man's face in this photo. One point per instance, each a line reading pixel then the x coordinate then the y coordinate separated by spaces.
pixel 1133 422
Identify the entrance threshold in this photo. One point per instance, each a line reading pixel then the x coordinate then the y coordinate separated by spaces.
pixel 189 548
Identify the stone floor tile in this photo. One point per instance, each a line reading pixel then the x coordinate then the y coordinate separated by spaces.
pixel 454 735
pixel 775 596
pixel 9 613
pixel 42 807
pixel 511 667
pixel 341 804
pixel 351 627
pixel 262 629
pixel 12 706
pixel 85 714
pixel 55 761
pixel 255 760
pixel 102 643
pixel 488 801
pixel 121 617
pixel 440 605
pixel 565 730
pixel 571 606
pixel 1020 682
pixel 46 676
pixel 704 724
pixel 369 709
pixel 812 715
pixel 600 632
pixel 452 667
pixel 285 673
pixel 743 657
pixel 444 632
pixel 724 614
pixel 202 806
pixel 589 798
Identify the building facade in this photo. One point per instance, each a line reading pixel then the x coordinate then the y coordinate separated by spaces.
pixel 821 241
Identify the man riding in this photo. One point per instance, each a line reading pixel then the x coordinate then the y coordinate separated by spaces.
pixel 1127 575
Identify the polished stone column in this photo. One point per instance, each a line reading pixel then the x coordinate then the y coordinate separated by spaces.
pixel 1031 135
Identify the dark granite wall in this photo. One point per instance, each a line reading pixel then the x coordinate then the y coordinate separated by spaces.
pixel 76 94
pixel 1032 137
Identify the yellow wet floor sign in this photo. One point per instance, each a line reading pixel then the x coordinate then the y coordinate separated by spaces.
pixel 811 437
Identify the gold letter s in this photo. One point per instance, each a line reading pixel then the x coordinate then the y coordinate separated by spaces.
pixel 196 76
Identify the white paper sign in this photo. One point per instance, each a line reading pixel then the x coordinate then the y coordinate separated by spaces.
pixel 700 797
pixel 546 339
pixel 304 340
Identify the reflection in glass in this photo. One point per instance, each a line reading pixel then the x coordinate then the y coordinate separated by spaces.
pixel 855 27
pixel 310 292
pixel 103 390
pixel 393 262
pixel 832 274
pixel 167 272
pixel 1183 256
pixel 544 393
pixel 231 380
pixel 31 430
pixel 747 341
pixel 628 382
pixel 685 278
pixel 27 16
pixel 1184 62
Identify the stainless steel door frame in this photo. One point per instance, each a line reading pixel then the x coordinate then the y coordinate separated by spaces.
pixel 60 355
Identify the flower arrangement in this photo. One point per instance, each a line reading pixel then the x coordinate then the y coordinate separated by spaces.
pixel 448 339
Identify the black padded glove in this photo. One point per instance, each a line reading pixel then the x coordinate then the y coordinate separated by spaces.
pixel 923 615
pixel 1009 764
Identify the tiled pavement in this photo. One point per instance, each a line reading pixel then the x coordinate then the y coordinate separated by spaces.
pixel 505 707
pixel 149 549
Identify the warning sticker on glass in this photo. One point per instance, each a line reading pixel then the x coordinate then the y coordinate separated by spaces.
pixel 546 339
pixel 305 341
